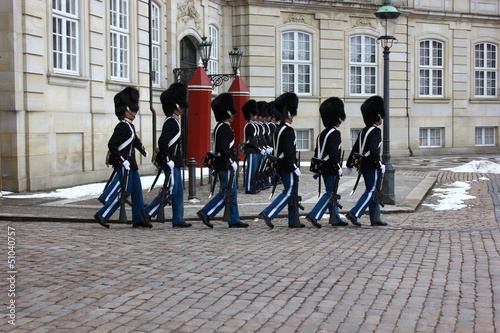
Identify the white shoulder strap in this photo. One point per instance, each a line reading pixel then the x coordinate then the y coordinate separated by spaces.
pixel 362 146
pixel 129 140
pixel 276 143
pixel 322 149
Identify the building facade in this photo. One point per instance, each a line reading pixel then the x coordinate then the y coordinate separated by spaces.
pixel 63 61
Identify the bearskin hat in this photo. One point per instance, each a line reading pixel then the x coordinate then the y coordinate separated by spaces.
pixel 127 98
pixel 175 95
pixel 263 107
pixel 285 106
pixel 332 111
pixel 373 110
pixel 249 109
pixel 223 106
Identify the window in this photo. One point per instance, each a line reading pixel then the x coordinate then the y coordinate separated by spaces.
pixel 213 63
pixel 431 68
pixel 119 39
pixel 485 70
pixel 155 44
pixel 362 65
pixel 303 139
pixel 485 136
pixel 430 137
pixel 296 62
pixel 354 135
pixel 65 36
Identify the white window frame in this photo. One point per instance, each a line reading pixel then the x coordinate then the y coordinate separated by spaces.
pixel 483 134
pixel 119 40
pixel 303 139
pixel 485 70
pixel 430 135
pixel 354 135
pixel 65 37
pixel 213 62
pixel 431 68
pixel 155 44
pixel 299 62
pixel 363 69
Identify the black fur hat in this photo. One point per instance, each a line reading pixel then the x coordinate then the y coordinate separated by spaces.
pixel 285 106
pixel 223 106
pixel 373 110
pixel 175 95
pixel 127 98
pixel 263 108
pixel 249 109
pixel 332 111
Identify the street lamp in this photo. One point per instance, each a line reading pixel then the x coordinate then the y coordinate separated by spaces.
pixel 205 49
pixel 387 17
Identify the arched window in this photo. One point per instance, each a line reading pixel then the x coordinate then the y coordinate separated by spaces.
pixel 431 68
pixel 296 62
pixel 485 70
pixel 362 65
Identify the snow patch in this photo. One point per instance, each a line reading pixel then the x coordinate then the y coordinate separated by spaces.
pixel 481 166
pixel 453 197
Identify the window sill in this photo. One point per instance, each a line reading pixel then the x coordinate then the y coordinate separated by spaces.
pixel 432 100
pixel 68 80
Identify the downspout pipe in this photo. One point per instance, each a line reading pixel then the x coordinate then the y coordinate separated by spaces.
pixel 153 112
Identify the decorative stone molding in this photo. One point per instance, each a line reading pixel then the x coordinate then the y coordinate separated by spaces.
pixel 187 11
pixel 362 22
pixel 296 18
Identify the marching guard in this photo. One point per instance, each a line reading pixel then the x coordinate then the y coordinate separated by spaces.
pixel 285 108
pixel 326 162
pixel 122 145
pixel 252 148
pixel 225 166
pixel 365 157
pixel 170 158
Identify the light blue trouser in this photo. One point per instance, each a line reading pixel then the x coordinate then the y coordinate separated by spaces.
pixel 370 177
pixel 217 203
pixel 134 186
pixel 283 199
pixel 176 197
pixel 324 202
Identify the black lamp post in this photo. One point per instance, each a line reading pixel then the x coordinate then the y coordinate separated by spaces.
pixel 387 17
pixel 205 49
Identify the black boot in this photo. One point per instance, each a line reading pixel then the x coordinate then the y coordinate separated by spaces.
pixel 181 225
pixel 313 221
pixel 353 219
pixel 205 218
pixel 101 220
pixel 266 219
pixel 238 225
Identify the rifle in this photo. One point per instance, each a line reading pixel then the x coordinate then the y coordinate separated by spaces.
pixel 377 195
pixel 164 194
pixel 228 196
pixel 109 180
pixel 123 196
pixel 335 197
pixel 296 199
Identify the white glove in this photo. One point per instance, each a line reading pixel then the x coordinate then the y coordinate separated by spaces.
pixel 171 164
pixel 263 152
pixel 126 165
pixel 297 172
pixel 382 168
pixel 340 172
pixel 349 171
pixel 145 153
pixel 269 150
pixel 235 166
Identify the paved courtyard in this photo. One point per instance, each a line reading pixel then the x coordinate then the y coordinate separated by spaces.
pixel 429 271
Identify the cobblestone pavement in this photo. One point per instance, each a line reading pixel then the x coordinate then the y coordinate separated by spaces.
pixel 429 271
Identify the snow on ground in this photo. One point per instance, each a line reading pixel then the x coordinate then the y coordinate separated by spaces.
pixel 482 166
pixel 452 197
